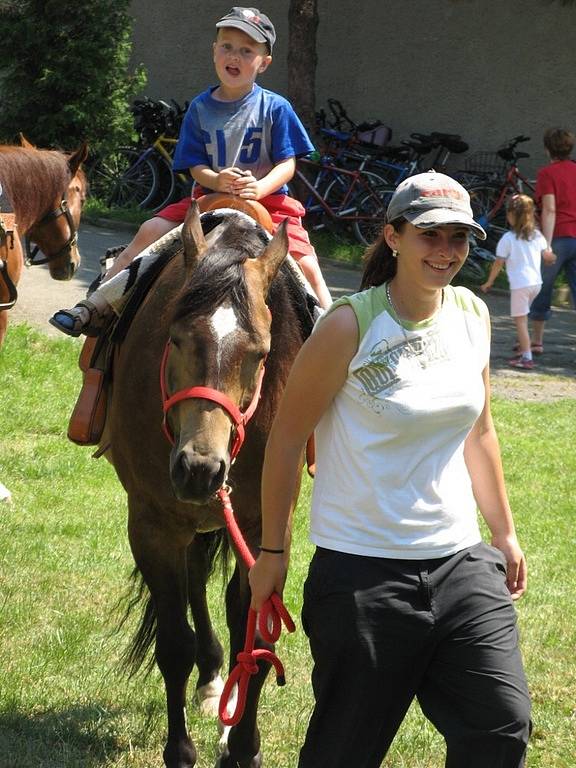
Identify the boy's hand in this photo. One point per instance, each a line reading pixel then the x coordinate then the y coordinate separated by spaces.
pixel 548 256
pixel 485 287
pixel 226 179
pixel 246 186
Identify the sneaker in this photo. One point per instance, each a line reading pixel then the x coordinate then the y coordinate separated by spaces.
pixel 521 362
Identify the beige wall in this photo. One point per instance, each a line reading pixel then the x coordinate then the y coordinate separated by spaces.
pixel 487 69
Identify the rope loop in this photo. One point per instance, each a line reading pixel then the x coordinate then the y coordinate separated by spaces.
pixel 247 665
pixel 270 619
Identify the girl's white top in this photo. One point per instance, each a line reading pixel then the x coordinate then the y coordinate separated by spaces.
pixel 523 258
pixel 391 480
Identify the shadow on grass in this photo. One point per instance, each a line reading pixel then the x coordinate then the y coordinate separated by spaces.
pixel 80 737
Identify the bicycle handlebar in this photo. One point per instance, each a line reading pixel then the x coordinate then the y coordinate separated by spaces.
pixel 340 115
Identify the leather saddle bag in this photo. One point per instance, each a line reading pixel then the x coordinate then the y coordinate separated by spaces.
pixel 89 415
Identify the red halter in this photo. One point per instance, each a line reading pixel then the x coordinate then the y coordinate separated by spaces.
pixel 236 416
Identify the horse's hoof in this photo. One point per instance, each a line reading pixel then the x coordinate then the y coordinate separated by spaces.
pixel 227 761
pixel 180 755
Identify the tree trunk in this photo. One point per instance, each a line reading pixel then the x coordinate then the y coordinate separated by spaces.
pixel 302 59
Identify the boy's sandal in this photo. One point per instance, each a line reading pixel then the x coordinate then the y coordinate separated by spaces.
pixel 83 318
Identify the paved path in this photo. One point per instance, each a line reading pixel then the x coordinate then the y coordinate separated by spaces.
pixel 40 297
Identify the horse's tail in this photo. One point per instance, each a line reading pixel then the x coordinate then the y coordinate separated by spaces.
pixel 137 655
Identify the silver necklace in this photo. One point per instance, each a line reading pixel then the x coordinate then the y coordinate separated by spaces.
pixel 410 346
pixel 389 297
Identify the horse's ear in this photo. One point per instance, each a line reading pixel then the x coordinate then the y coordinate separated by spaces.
pixel 193 237
pixel 25 143
pixel 275 253
pixel 77 158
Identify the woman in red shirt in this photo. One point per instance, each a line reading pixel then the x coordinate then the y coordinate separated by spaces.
pixel 556 198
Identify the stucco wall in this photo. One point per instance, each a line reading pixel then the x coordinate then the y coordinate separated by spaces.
pixel 487 69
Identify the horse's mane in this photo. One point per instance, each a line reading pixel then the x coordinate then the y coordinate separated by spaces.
pixel 219 275
pixel 32 180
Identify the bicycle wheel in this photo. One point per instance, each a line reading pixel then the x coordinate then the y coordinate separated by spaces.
pixel 476 267
pixel 165 193
pixel 371 214
pixel 483 198
pixel 343 195
pixel 124 178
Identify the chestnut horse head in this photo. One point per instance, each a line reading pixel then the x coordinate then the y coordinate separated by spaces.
pixel 46 190
pixel 207 355
pixel 43 192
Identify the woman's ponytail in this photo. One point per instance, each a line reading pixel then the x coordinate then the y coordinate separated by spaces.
pixel 379 260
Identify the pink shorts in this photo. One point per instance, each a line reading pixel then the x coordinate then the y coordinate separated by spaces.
pixel 522 298
pixel 279 207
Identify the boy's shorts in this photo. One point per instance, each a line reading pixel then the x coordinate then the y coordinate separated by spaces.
pixel 279 207
pixel 522 298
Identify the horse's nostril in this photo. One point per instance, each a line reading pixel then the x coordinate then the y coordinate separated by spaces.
pixel 196 477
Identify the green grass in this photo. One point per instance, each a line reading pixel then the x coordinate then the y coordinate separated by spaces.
pixel 64 564
pixel 95 209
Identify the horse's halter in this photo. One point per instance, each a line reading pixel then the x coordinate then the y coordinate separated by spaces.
pixel 238 418
pixel 62 210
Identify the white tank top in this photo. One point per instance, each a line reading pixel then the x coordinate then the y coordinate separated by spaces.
pixel 391 480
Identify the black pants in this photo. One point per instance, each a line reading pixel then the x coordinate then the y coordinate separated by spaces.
pixel 384 631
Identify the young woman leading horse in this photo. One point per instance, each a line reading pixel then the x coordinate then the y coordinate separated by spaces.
pixel 214 339
pixel 41 199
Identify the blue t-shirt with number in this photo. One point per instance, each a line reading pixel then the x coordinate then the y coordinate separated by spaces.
pixel 254 133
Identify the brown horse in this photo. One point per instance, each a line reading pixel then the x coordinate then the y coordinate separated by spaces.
pixel 227 306
pixel 42 199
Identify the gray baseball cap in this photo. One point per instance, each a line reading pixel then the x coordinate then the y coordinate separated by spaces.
pixel 249 20
pixel 431 199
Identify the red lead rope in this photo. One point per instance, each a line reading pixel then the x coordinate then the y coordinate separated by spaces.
pixel 272 615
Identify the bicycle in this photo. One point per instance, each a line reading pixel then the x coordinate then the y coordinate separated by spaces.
pixel 142 176
pixel 335 196
pixel 490 179
pixel 366 146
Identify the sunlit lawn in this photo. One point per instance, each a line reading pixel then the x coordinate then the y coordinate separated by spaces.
pixel 64 564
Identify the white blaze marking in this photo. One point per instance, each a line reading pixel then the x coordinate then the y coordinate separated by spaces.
pixel 223 322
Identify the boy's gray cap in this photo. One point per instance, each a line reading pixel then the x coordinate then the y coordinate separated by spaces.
pixel 431 199
pixel 251 21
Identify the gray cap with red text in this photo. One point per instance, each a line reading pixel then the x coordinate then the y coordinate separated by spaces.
pixel 432 199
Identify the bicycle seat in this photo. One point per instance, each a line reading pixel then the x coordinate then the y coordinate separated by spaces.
pixel 451 141
pixel 420 148
pixel 445 136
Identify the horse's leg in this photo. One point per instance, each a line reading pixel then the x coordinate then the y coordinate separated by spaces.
pixel 209 653
pixel 243 747
pixel 163 567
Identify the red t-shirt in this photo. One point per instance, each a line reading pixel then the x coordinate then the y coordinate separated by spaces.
pixel 559 179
